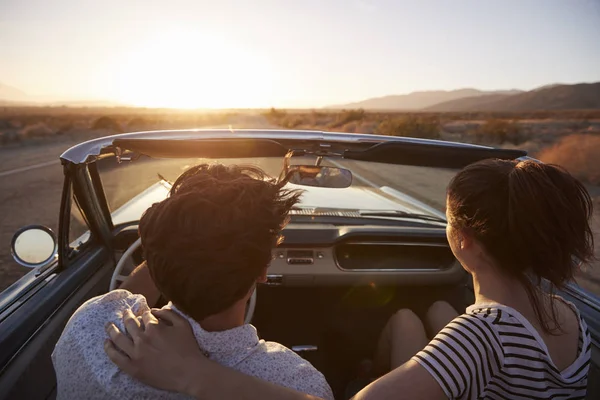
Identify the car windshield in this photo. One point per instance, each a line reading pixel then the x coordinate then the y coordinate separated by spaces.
pixel 131 187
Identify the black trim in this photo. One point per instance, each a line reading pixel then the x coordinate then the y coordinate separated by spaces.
pixel 430 154
pixel 221 148
pixel 64 220
pixel 100 194
pixel 83 189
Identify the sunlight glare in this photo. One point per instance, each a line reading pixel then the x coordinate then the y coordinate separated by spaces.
pixel 189 69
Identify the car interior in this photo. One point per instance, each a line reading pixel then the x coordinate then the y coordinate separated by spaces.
pixel 332 318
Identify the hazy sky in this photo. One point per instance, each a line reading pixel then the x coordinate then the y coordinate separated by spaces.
pixel 291 53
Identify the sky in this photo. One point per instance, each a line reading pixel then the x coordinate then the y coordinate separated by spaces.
pixel 291 53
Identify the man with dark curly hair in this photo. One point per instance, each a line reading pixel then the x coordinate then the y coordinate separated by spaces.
pixel 206 247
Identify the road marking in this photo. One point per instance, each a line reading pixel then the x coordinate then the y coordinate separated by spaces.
pixel 28 168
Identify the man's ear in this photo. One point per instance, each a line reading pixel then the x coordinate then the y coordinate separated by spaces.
pixel 262 278
pixel 465 241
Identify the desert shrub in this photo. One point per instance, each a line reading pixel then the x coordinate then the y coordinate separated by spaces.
pixel 5 124
pixel 64 127
pixel 275 115
pixel 36 130
pixel 578 153
pixel 9 136
pixel 291 121
pixel 316 117
pixel 350 127
pixel 367 127
pixel 139 123
pixel 346 116
pixel 498 131
pixel 410 126
pixel 107 123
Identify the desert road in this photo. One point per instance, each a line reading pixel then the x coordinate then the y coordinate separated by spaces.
pixel 31 181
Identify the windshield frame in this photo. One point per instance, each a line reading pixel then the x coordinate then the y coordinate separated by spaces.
pixel 80 160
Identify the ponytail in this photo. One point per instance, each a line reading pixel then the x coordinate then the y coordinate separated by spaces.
pixel 532 219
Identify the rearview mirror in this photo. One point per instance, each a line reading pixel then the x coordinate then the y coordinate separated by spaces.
pixel 34 246
pixel 319 176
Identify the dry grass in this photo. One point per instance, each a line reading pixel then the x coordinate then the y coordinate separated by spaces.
pixel 579 154
pixel 22 125
pixel 568 138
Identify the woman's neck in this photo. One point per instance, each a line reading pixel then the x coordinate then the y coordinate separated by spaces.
pixel 492 287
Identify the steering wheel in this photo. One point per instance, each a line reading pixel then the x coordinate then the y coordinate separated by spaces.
pixel 117 279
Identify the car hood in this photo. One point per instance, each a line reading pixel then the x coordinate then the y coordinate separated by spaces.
pixel 313 198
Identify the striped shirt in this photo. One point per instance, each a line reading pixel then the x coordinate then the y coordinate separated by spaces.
pixel 493 352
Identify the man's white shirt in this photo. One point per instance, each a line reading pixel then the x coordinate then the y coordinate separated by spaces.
pixel 83 370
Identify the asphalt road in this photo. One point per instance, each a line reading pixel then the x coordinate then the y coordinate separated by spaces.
pixel 31 182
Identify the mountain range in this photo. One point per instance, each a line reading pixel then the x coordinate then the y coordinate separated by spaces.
pixel 548 97
pixel 11 96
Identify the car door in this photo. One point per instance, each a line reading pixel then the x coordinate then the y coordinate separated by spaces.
pixel 588 305
pixel 35 309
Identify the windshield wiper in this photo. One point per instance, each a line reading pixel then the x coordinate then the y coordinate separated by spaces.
pixel 402 214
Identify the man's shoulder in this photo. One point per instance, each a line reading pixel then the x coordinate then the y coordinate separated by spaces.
pixel 278 364
pixel 79 360
pixel 108 307
pixel 85 328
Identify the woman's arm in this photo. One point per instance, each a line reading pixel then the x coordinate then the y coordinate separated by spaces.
pixel 409 381
pixel 165 354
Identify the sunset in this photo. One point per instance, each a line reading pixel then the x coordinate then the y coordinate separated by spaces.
pixel 299 200
pixel 187 68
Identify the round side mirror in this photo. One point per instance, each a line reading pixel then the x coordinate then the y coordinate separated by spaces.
pixel 34 246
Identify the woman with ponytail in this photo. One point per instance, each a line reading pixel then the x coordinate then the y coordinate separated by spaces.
pixel 521 229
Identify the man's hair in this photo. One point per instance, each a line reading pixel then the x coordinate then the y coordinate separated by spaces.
pixel 208 242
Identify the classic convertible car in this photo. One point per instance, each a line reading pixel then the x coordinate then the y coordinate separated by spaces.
pixel 367 239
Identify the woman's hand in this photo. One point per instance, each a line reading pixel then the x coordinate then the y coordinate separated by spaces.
pixel 162 351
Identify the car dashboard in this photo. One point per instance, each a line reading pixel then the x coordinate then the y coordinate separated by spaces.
pixel 346 255
pixel 315 254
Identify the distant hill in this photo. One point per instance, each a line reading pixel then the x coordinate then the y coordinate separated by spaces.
pixel 419 100
pixel 467 103
pixel 13 97
pixel 549 97
pixel 9 94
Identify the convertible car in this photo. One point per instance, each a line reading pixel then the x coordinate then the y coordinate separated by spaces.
pixel 367 238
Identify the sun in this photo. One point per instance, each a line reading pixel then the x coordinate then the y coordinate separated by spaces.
pixel 184 68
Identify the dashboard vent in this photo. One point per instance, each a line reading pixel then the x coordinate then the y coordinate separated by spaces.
pixel 325 212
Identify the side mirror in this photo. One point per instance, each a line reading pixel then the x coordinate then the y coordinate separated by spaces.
pixel 34 246
pixel 319 176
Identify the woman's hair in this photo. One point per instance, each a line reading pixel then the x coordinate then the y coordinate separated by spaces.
pixel 208 242
pixel 533 220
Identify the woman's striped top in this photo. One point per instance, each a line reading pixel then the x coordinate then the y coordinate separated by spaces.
pixel 493 352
